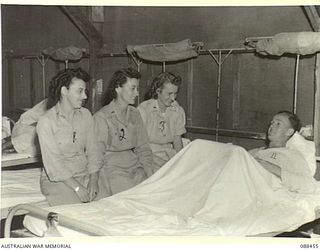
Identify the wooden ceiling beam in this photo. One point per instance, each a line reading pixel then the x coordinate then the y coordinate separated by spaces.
pixel 313 17
pixel 83 24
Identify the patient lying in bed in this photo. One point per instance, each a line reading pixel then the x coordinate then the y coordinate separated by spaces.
pixel 208 188
pixel 288 164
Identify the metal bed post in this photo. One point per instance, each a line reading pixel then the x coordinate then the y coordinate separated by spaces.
pixel 219 62
pixel 296 85
pixel 43 63
pixel 66 64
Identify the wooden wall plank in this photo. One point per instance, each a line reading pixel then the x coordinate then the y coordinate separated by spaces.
pixel 316 121
pixel 11 87
pixel 32 87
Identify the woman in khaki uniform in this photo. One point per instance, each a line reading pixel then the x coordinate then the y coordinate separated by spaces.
pixel 67 141
pixel 164 118
pixel 124 153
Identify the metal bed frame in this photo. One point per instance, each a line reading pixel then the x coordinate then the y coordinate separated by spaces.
pixel 79 226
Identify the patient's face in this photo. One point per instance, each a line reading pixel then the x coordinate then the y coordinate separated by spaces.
pixel 280 128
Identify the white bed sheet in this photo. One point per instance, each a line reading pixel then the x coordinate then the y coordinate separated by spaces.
pixel 20 186
pixel 208 188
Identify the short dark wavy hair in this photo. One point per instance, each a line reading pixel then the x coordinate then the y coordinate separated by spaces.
pixel 159 81
pixel 293 119
pixel 63 79
pixel 118 79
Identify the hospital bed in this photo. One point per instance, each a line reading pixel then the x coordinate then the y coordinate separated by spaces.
pixel 188 196
pixel 14 159
pixel 20 184
pixel 20 163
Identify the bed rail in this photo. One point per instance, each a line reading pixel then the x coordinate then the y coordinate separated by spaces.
pixel 44 215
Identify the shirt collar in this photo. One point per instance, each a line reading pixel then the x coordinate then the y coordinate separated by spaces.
pixel 60 113
pixel 114 113
pixel 156 107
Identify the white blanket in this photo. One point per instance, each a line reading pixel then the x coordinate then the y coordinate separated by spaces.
pixel 20 186
pixel 208 188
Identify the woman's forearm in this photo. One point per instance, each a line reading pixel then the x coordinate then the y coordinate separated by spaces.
pixel 177 143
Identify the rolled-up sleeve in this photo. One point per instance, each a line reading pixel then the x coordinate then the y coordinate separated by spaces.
pixel 181 122
pixel 143 149
pixel 51 155
pixel 101 134
pixel 91 146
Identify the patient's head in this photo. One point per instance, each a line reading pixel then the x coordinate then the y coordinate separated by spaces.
pixel 282 126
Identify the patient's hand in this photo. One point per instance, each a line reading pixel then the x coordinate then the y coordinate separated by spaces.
pixel 254 151
pixel 272 168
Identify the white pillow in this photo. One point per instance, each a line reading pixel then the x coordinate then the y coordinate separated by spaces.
pixel 306 148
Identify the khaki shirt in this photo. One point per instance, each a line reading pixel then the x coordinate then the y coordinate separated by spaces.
pixel 162 127
pixel 119 138
pixel 68 147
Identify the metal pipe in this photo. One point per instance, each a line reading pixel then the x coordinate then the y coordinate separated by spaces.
pixel 190 93
pixel 43 77
pixel 227 132
pixel 163 66
pixel 125 54
pixel 225 51
pixel 138 68
pixel 43 214
pixel 66 64
pixel 43 63
pixel 296 85
pixel 219 61
pixel 218 97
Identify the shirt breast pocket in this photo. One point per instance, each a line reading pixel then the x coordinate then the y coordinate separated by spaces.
pixel 63 138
